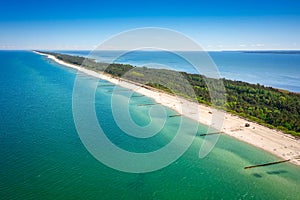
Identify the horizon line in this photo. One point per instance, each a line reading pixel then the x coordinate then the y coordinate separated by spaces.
pixel 212 50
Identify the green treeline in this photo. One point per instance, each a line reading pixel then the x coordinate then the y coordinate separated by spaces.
pixel 268 106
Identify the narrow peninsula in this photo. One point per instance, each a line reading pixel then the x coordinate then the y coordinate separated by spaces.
pixel 265 117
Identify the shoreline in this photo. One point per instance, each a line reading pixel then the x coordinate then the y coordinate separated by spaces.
pixel 273 141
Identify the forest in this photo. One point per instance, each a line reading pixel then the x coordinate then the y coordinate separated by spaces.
pixel 268 106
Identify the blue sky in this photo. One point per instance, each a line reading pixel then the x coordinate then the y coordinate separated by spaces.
pixel 215 25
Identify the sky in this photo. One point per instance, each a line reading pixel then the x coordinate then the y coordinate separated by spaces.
pixel 214 25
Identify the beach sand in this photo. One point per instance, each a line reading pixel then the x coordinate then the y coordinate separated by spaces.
pixel 282 145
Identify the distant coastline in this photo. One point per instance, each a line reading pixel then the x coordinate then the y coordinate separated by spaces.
pixel 273 141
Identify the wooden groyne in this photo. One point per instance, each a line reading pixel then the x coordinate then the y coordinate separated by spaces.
pixel 214 133
pixel 267 164
pixel 119 90
pixel 147 104
pixel 175 115
pixel 137 96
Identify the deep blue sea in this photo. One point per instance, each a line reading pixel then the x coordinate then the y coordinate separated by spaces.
pixel 42 156
pixel 279 70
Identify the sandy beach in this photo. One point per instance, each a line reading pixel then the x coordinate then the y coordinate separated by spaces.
pixel 282 145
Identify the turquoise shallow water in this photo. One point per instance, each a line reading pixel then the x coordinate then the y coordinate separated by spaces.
pixel 42 157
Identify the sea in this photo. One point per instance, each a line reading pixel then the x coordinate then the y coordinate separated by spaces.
pixel 42 155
